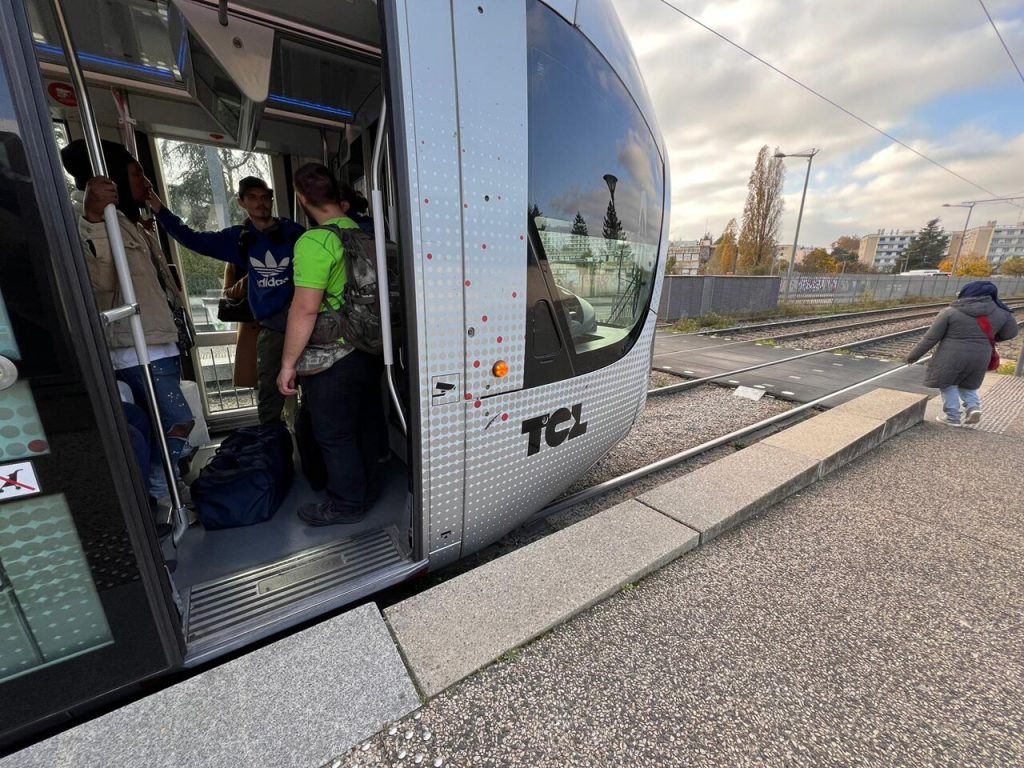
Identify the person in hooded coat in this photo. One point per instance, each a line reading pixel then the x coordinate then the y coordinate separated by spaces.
pixel 958 366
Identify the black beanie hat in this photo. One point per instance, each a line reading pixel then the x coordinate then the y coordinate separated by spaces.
pixel 75 158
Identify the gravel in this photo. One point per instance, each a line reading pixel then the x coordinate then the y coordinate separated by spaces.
pixel 668 425
pixel 826 321
pixel 859 334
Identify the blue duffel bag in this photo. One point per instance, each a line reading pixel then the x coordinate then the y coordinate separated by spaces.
pixel 247 478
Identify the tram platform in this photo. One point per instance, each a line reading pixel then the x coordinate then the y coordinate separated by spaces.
pixel 800 380
pixel 848 594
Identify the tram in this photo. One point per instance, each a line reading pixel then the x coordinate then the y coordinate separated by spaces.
pixel 519 187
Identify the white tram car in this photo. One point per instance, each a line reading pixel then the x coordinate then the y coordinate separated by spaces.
pixel 523 192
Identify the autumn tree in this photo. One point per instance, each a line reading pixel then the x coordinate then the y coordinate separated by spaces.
pixel 927 247
pixel 761 214
pixel 850 243
pixel 968 266
pixel 817 262
pixel 723 259
pixel 1013 267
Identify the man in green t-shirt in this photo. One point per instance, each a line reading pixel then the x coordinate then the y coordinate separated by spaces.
pixel 343 397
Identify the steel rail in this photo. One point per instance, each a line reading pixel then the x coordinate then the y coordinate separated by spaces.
pixel 617 482
pixel 690 383
pixel 816 319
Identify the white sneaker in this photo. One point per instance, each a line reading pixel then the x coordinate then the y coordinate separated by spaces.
pixel 973 416
pixel 944 419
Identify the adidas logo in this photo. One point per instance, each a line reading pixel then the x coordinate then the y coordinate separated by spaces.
pixel 269 266
pixel 270 270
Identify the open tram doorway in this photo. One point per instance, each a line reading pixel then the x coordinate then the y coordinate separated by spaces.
pixel 197 131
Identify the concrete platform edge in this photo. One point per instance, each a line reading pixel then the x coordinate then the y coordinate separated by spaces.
pixel 851 432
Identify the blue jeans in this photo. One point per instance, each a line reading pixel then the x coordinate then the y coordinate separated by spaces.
pixel 951 397
pixel 138 433
pixel 174 411
pixel 346 413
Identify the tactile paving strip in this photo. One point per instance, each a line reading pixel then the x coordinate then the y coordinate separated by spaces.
pixel 1002 405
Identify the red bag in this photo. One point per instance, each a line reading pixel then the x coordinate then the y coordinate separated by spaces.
pixel 986 326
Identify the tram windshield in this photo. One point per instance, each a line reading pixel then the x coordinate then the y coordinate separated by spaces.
pixel 596 185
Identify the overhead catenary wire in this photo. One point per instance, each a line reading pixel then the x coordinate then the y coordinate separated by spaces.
pixel 826 99
pixel 1005 46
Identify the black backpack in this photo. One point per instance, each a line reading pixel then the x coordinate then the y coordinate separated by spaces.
pixel 358 319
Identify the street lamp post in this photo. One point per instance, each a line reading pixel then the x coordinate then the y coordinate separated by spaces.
pixel 796 237
pixel 963 235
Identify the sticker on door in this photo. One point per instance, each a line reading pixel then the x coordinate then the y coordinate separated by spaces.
pixel 17 480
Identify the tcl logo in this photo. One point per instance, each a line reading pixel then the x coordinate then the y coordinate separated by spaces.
pixel 564 424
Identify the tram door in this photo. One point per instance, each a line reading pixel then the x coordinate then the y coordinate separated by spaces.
pixel 82 609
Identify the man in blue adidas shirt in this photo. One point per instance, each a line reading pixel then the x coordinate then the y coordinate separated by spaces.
pixel 263 245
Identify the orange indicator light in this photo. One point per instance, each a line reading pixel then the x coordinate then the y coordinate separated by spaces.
pixel 500 369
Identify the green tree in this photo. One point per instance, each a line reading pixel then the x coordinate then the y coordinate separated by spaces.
pixel 723 258
pixel 761 214
pixel 927 248
pixel 579 225
pixel 535 213
pixel 670 265
pixel 612 230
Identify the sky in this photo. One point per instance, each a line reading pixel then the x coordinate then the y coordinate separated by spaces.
pixel 930 72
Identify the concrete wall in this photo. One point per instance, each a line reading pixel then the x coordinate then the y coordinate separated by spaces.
pixel 692 296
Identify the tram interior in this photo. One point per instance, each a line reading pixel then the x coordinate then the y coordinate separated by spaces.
pixel 198 131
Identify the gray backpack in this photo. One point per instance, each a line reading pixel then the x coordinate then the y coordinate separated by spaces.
pixel 358 319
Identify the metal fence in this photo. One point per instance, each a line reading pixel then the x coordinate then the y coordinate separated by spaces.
pixel 696 295
pixel 833 289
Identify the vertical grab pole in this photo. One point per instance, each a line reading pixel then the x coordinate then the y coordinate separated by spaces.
pixel 383 289
pixel 99 166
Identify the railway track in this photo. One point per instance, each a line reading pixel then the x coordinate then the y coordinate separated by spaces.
pixel 811 326
pixel 580 504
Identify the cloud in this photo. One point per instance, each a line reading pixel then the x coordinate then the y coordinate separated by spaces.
pixel 891 63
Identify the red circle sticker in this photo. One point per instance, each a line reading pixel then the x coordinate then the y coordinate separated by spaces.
pixel 62 93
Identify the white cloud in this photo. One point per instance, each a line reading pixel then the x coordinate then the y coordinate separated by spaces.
pixel 884 61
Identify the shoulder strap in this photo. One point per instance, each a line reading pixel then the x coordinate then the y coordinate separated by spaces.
pixel 986 326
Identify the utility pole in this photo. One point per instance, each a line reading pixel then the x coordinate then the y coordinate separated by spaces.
pixel 796 238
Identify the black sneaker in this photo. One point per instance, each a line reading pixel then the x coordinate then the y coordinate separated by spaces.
pixel 326 513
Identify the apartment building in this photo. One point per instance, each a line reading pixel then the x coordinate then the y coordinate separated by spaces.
pixel 993 241
pixel 883 250
pixel 690 255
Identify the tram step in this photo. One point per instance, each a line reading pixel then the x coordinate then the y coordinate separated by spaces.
pixel 227 613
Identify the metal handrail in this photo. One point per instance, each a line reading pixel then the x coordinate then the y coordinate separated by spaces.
pixel 113 227
pixel 383 290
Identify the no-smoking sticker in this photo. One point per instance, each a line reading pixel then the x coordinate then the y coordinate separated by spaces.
pixel 17 480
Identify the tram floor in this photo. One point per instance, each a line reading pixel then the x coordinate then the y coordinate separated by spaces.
pixel 208 555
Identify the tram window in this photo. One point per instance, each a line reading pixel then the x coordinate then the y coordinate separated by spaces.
pixel 201 183
pixel 596 183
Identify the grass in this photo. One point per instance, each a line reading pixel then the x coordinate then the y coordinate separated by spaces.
pixel 1009 368
pixel 767 343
